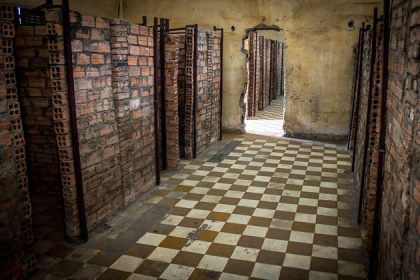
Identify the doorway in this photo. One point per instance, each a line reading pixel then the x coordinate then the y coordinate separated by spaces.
pixel 265 91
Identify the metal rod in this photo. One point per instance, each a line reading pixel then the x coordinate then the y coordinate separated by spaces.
pixel 162 91
pixel 176 29
pixel 221 83
pixel 359 97
pixel 144 21
pixel 373 264
pixel 195 90
pixel 156 99
pixel 356 77
pixel 368 117
pixel 73 120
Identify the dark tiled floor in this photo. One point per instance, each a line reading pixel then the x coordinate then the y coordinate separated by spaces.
pixel 270 209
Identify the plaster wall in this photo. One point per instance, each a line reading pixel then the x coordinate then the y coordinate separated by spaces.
pixel 319 52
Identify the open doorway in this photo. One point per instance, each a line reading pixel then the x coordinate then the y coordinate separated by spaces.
pixel 265 91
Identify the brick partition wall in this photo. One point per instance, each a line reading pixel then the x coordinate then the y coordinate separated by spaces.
pixel 399 249
pixel 370 172
pixel 189 92
pixel 37 110
pixel 132 84
pixel 251 86
pixel 16 256
pixel 181 94
pixel 172 116
pixel 267 72
pixel 364 94
pixel 216 75
pixel 61 118
pixel 260 72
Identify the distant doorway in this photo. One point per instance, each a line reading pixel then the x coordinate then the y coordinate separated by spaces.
pixel 265 92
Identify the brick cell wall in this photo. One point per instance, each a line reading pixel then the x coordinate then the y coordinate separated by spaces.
pixel 252 42
pixel 260 68
pixel 132 84
pixel 207 96
pixel 181 94
pixel 16 255
pixel 360 146
pixel 96 117
pixel 400 231
pixel 37 111
pixel 61 118
pixel 369 199
pixel 189 92
pixel 216 75
pixel 172 118
pixel 267 72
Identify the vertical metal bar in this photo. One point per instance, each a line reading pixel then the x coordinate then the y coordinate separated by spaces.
pixel 162 91
pixel 354 97
pixel 195 90
pixel 73 120
pixel 359 89
pixel 369 105
pixel 373 264
pixel 255 107
pixel 144 21
pixel 221 84
pixel 156 99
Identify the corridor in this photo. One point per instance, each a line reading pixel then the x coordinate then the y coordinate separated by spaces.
pixel 268 122
pixel 263 208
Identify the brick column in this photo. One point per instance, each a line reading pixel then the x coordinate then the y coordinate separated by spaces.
pixel 61 113
pixel 189 91
pixel 17 258
pixel 171 83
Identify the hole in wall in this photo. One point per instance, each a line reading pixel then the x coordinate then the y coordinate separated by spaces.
pixel 350 25
pixel 233 28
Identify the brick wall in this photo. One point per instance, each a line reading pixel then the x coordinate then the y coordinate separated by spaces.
pixel 265 72
pixel 132 85
pixel 260 69
pixel 172 116
pixel 16 255
pixel 400 228
pixel 216 76
pixel 181 94
pixel 251 86
pixel 189 92
pixel 366 179
pixel 207 96
pixel 37 110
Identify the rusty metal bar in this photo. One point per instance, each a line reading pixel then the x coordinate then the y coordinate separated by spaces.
pixel 195 90
pixel 369 105
pixel 162 91
pixel 373 264
pixel 359 89
pixel 356 81
pixel 156 99
pixel 73 120
pixel 221 83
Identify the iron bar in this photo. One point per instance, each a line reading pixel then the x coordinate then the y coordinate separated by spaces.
pixel 73 120
pixel 144 21
pixel 156 99
pixel 354 97
pixel 373 264
pixel 359 97
pixel 369 105
pixel 162 91
pixel 221 83
pixel 195 90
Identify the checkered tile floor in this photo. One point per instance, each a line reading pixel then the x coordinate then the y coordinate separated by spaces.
pixel 272 209
pixel 268 122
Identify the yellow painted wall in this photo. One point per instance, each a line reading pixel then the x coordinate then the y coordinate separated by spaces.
pixel 100 8
pixel 319 51
pixel 318 56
